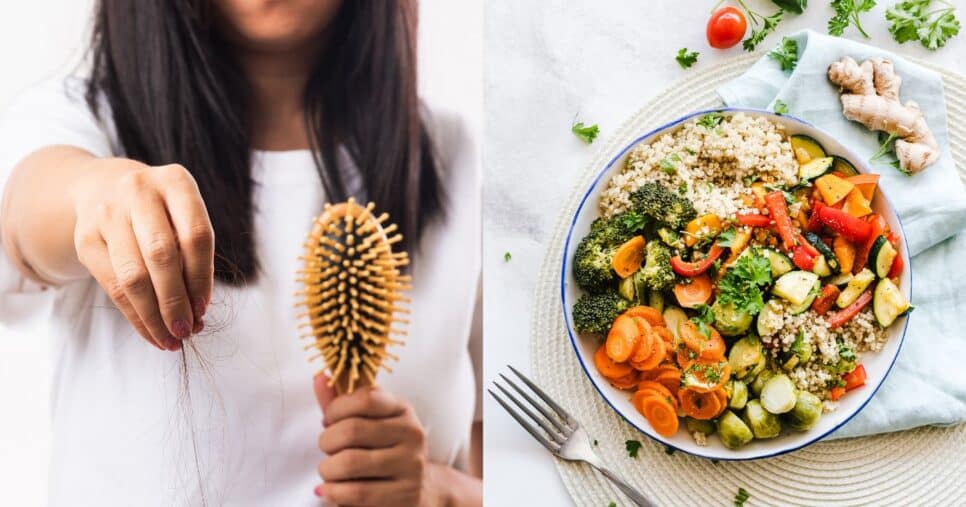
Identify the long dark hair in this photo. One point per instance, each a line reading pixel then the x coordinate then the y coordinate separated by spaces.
pixel 177 95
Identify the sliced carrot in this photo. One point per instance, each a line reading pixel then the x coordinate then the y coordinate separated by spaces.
pixel 608 367
pixel 628 257
pixel 657 356
pixel 660 413
pixel 702 406
pixel 685 357
pixel 628 381
pixel 656 372
pixel 670 379
pixel 705 376
pixel 622 339
pixel 645 344
pixel 723 399
pixel 668 338
pixel 710 347
pixel 661 389
pixel 697 292
pixel 844 252
pixel 651 315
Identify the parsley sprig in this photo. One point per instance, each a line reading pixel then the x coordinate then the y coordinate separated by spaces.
pixel 741 497
pixel 743 284
pixel 586 134
pixel 761 26
pixel 702 319
pixel 710 121
pixel 633 447
pixel 780 107
pixel 847 13
pixel 686 59
pixel 786 54
pixel 913 20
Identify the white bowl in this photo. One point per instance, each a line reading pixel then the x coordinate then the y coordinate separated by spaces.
pixel 877 364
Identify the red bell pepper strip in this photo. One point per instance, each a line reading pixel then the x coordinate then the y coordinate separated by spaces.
pixel 692 269
pixel 778 210
pixel 897 265
pixel 823 303
pixel 879 226
pixel 836 392
pixel 855 378
pixel 807 246
pixel 853 229
pixel 753 219
pixel 802 258
pixel 839 318
pixel 814 224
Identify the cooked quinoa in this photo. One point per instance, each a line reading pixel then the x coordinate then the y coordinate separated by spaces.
pixel 707 165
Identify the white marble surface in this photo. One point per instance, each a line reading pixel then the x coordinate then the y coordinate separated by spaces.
pixel 546 62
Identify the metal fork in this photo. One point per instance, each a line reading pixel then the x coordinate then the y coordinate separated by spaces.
pixel 561 434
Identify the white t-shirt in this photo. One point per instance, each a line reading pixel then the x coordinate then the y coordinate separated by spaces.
pixel 126 428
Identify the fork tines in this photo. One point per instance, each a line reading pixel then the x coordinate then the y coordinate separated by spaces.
pixel 556 423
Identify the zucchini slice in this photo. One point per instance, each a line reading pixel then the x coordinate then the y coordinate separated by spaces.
pixel 840 165
pixel 796 286
pixel 830 259
pixel 627 290
pixel 780 263
pixel 855 288
pixel 806 148
pixel 815 168
pixel 807 303
pixel 821 267
pixel 888 303
pixel 881 256
pixel 840 279
pixel 655 299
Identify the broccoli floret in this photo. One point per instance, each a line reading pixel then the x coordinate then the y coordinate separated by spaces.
pixel 657 273
pixel 660 204
pixel 592 260
pixel 594 313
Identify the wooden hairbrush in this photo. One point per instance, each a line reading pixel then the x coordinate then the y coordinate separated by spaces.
pixel 353 288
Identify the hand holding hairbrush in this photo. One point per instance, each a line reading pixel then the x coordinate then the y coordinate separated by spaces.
pixel 353 285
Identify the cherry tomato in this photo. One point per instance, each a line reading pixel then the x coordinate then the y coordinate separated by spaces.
pixel 726 27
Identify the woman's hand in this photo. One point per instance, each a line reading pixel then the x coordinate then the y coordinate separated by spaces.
pixel 143 232
pixel 376 451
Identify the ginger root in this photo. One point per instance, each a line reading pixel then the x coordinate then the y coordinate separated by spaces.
pixel 871 97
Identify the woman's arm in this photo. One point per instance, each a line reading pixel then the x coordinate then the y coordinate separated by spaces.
pixel 142 232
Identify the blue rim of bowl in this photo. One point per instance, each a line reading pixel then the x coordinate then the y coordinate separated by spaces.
pixel 563 284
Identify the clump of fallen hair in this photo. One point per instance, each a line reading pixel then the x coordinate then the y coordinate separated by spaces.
pixel 870 96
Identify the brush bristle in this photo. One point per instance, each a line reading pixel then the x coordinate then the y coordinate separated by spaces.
pixel 353 292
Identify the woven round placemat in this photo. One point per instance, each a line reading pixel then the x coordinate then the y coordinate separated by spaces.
pixel 923 466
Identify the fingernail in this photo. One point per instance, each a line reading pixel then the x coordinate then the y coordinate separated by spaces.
pixel 318 491
pixel 199 307
pixel 199 326
pixel 172 344
pixel 181 328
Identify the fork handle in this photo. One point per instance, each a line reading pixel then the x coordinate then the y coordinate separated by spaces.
pixel 626 488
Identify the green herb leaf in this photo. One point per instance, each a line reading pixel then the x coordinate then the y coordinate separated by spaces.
pixel 595 442
pixel 780 107
pixel 586 134
pixel 912 20
pixel 748 180
pixel 633 221
pixel 668 167
pixel 612 504
pixel 727 238
pixel 759 34
pixel 743 284
pixel 668 450
pixel 741 497
pixel 847 13
pixel 796 6
pixel 704 317
pixel 683 188
pixel 786 54
pixel 633 447
pixel 675 157
pixel 884 148
pixel 686 59
pixel 711 120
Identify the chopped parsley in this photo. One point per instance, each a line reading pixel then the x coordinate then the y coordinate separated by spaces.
pixel 711 121
pixel 690 151
pixel 686 59
pixel 786 54
pixel 668 167
pixel 702 319
pixel 633 221
pixel 507 257
pixel 743 284
pixel 748 180
pixel 885 148
pixel 632 446
pixel 595 442
pixel 847 13
pixel 668 450
pixel 741 497
pixel 612 504
pixel 586 134
pixel 683 188
pixel 912 20
pixel 758 33
pixel 675 157
pixel 727 238
pixel 780 107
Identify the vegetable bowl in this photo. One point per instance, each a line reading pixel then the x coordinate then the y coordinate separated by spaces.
pixel 735 284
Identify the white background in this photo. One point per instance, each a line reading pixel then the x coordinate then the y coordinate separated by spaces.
pixel 544 63
pixel 41 39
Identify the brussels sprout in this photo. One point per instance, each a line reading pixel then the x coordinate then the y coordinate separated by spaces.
pixel 771 318
pixel 799 353
pixel 806 413
pixel 673 317
pixel 745 356
pixel 655 299
pixel 763 423
pixel 728 320
pixel 627 290
pixel 778 394
pixel 700 426
pixel 737 394
pixel 733 431
pixel 759 382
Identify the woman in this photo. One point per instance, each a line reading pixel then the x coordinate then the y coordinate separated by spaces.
pixel 167 195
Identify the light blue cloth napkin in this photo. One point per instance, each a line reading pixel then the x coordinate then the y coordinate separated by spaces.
pixel 928 383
